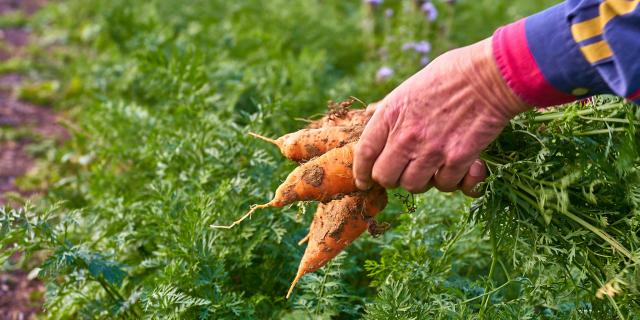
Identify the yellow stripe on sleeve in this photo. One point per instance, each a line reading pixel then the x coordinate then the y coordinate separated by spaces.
pixel 596 51
pixel 586 29
pixel 609 9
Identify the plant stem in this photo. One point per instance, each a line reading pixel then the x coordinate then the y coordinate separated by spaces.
pixel 599 131
pixel 494 258
pixel 602 234
pixel 324 280
pixel 453 241
pixel 610 120
pixel 561 114
pixel 611 300
pixel 488 293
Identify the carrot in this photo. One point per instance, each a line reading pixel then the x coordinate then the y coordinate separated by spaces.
pixel 357 117
pixel 306 144
pixel 322 179
pixel 335 225
pixel 340 115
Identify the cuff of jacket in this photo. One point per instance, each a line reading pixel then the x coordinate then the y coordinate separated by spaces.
pixel 541 63
pixel 635 97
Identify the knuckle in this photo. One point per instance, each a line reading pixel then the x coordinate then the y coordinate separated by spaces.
pixel 409 136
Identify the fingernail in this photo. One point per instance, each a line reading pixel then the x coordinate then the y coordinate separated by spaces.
pixel 477 169
pixel 362 185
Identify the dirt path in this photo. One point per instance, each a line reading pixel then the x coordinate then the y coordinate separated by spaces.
pixel 20 298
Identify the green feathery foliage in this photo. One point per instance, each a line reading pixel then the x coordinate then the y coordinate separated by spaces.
pixel 160 95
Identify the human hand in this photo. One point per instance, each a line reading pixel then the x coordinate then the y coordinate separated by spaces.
pixel 430 130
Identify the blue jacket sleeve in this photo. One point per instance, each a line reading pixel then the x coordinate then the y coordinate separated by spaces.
pixel 577 49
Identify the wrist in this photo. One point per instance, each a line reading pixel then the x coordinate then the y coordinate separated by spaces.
pixel 488 82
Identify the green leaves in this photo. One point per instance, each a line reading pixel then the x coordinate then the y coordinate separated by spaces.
pixel 160 152
pixel 582 190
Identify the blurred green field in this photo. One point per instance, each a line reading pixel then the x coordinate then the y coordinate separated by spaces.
pixel 161 95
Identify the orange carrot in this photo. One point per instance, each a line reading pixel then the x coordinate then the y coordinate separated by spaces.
pixel 306 144
pixel 357 117
pixel 335 225
pixel 323 179
pixel 340 115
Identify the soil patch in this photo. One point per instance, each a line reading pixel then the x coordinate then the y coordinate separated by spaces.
pixel 20 298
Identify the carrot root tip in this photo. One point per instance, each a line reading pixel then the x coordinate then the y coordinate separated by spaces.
pixel 245 216
pixel 293 284
pixel 261 137
pixel 305 239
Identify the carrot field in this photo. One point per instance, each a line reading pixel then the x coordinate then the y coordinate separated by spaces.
pixel 157 99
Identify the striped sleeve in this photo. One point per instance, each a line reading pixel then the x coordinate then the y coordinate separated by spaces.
pixel 571 51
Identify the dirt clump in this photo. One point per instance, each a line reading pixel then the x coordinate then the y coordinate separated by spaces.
pixel 313 176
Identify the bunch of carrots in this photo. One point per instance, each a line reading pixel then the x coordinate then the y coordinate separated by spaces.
pixel 324 150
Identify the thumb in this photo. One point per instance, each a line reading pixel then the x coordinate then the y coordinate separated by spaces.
pixel 371 108
pixel 369 147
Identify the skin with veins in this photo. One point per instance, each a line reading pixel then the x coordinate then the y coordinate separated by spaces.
pixel 430 130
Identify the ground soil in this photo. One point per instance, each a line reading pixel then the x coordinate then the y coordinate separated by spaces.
pixel 20 297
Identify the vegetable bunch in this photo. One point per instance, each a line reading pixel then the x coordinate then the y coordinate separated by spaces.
pixel 325 150
pixel 564 190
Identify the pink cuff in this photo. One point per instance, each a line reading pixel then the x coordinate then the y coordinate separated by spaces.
pixel 634 96
pixel 520 70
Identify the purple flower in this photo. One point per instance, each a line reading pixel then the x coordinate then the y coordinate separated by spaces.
pixel 408 45
pixel 422 47
pixel 374 2
pixel 424 61
pixel 388 13
pixel 430 10
pixel 384 73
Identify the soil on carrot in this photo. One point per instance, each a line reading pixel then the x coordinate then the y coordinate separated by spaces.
pixel 311 149
pixel 313 176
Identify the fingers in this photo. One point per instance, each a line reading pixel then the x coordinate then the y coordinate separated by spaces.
pixel 477 173
pixel 389 167
pixel 416 176
pixel 420 176
pixel 448 177
pixel 368 148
